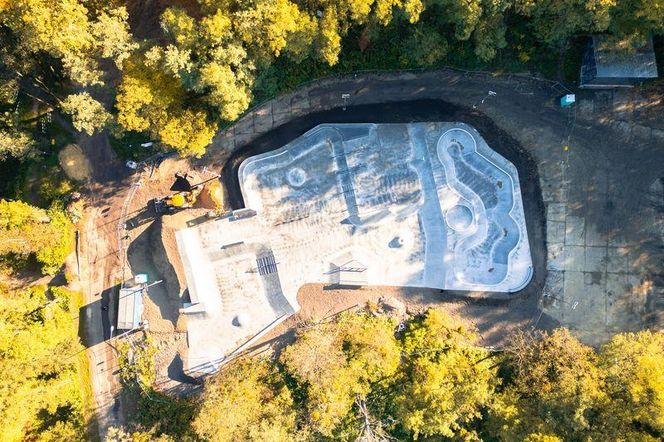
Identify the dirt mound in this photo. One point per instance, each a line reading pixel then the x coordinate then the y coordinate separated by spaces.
pixel 74 163
pixel 212 196
pixel 165 255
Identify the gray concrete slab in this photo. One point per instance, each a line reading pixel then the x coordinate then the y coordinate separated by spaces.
pixel 595 259
pixel 574 258
pixel 417 205
pixel 575 231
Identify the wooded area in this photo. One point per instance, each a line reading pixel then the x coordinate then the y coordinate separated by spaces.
pixel 357 378
pixel 207 64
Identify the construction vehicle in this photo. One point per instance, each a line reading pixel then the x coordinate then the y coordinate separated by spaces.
pixel 177 201
pixel 187 195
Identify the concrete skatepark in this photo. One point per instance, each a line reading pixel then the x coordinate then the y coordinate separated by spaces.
pixel 413 205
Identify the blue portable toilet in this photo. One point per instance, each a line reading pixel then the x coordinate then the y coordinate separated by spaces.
pixel 567 100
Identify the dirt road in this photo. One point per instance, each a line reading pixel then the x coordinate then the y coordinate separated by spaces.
pixel 101 274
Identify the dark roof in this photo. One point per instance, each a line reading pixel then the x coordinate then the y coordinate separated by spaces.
pixel 613 61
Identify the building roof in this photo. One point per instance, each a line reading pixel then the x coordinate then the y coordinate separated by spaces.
pixel 130 308
pixel 609 59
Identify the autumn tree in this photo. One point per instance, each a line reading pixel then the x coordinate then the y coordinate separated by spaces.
pixel 555 389
pixel 66 31
pixel 115 434
pixel 15 139
pixel 339 362
pixel 26 230
pixel 281 25
pixel 151 100
pixel 209 58
pixel 335 18
pixel 40 396
pixel 88 115
pixel 446 380
pixel 14 143
pixel 633 364
pixel 246 401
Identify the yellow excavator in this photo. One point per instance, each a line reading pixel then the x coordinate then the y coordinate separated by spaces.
pixel 207 194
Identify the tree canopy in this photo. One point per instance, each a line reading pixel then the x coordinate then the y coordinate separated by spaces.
pixel 40 396
pixel 247 401
pixel 446 380
pixel 211 61
pixel 48 235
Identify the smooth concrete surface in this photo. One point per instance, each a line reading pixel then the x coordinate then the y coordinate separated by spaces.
pixel 420 205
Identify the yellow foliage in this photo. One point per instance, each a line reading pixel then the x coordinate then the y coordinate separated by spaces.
pixel 446 380
pixel 340 361
pixel 634 363
pixel 189 133
pixel 246 401
pixel 37 368
pixel 25 230
pixel 152 100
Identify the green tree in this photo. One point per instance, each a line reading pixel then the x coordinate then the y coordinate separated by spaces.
pixel 424 46
pixel 445 381
pixel 555 21
pixel 636 19
pixel 40 397
pixel 246 401
pixel 482 21
pixel 88 115
pixel 339 362
pixel 634 368
pixel 26 230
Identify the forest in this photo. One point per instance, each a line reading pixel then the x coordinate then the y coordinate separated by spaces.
pixel 361 377
pixel 76 68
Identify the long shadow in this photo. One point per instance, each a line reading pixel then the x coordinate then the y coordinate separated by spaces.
pixel 140 261
pixel 106 307
pixel 176 372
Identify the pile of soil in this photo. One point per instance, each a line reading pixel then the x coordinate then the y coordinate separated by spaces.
pixel 212 196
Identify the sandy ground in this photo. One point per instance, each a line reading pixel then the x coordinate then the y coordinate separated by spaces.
pixel 153 251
